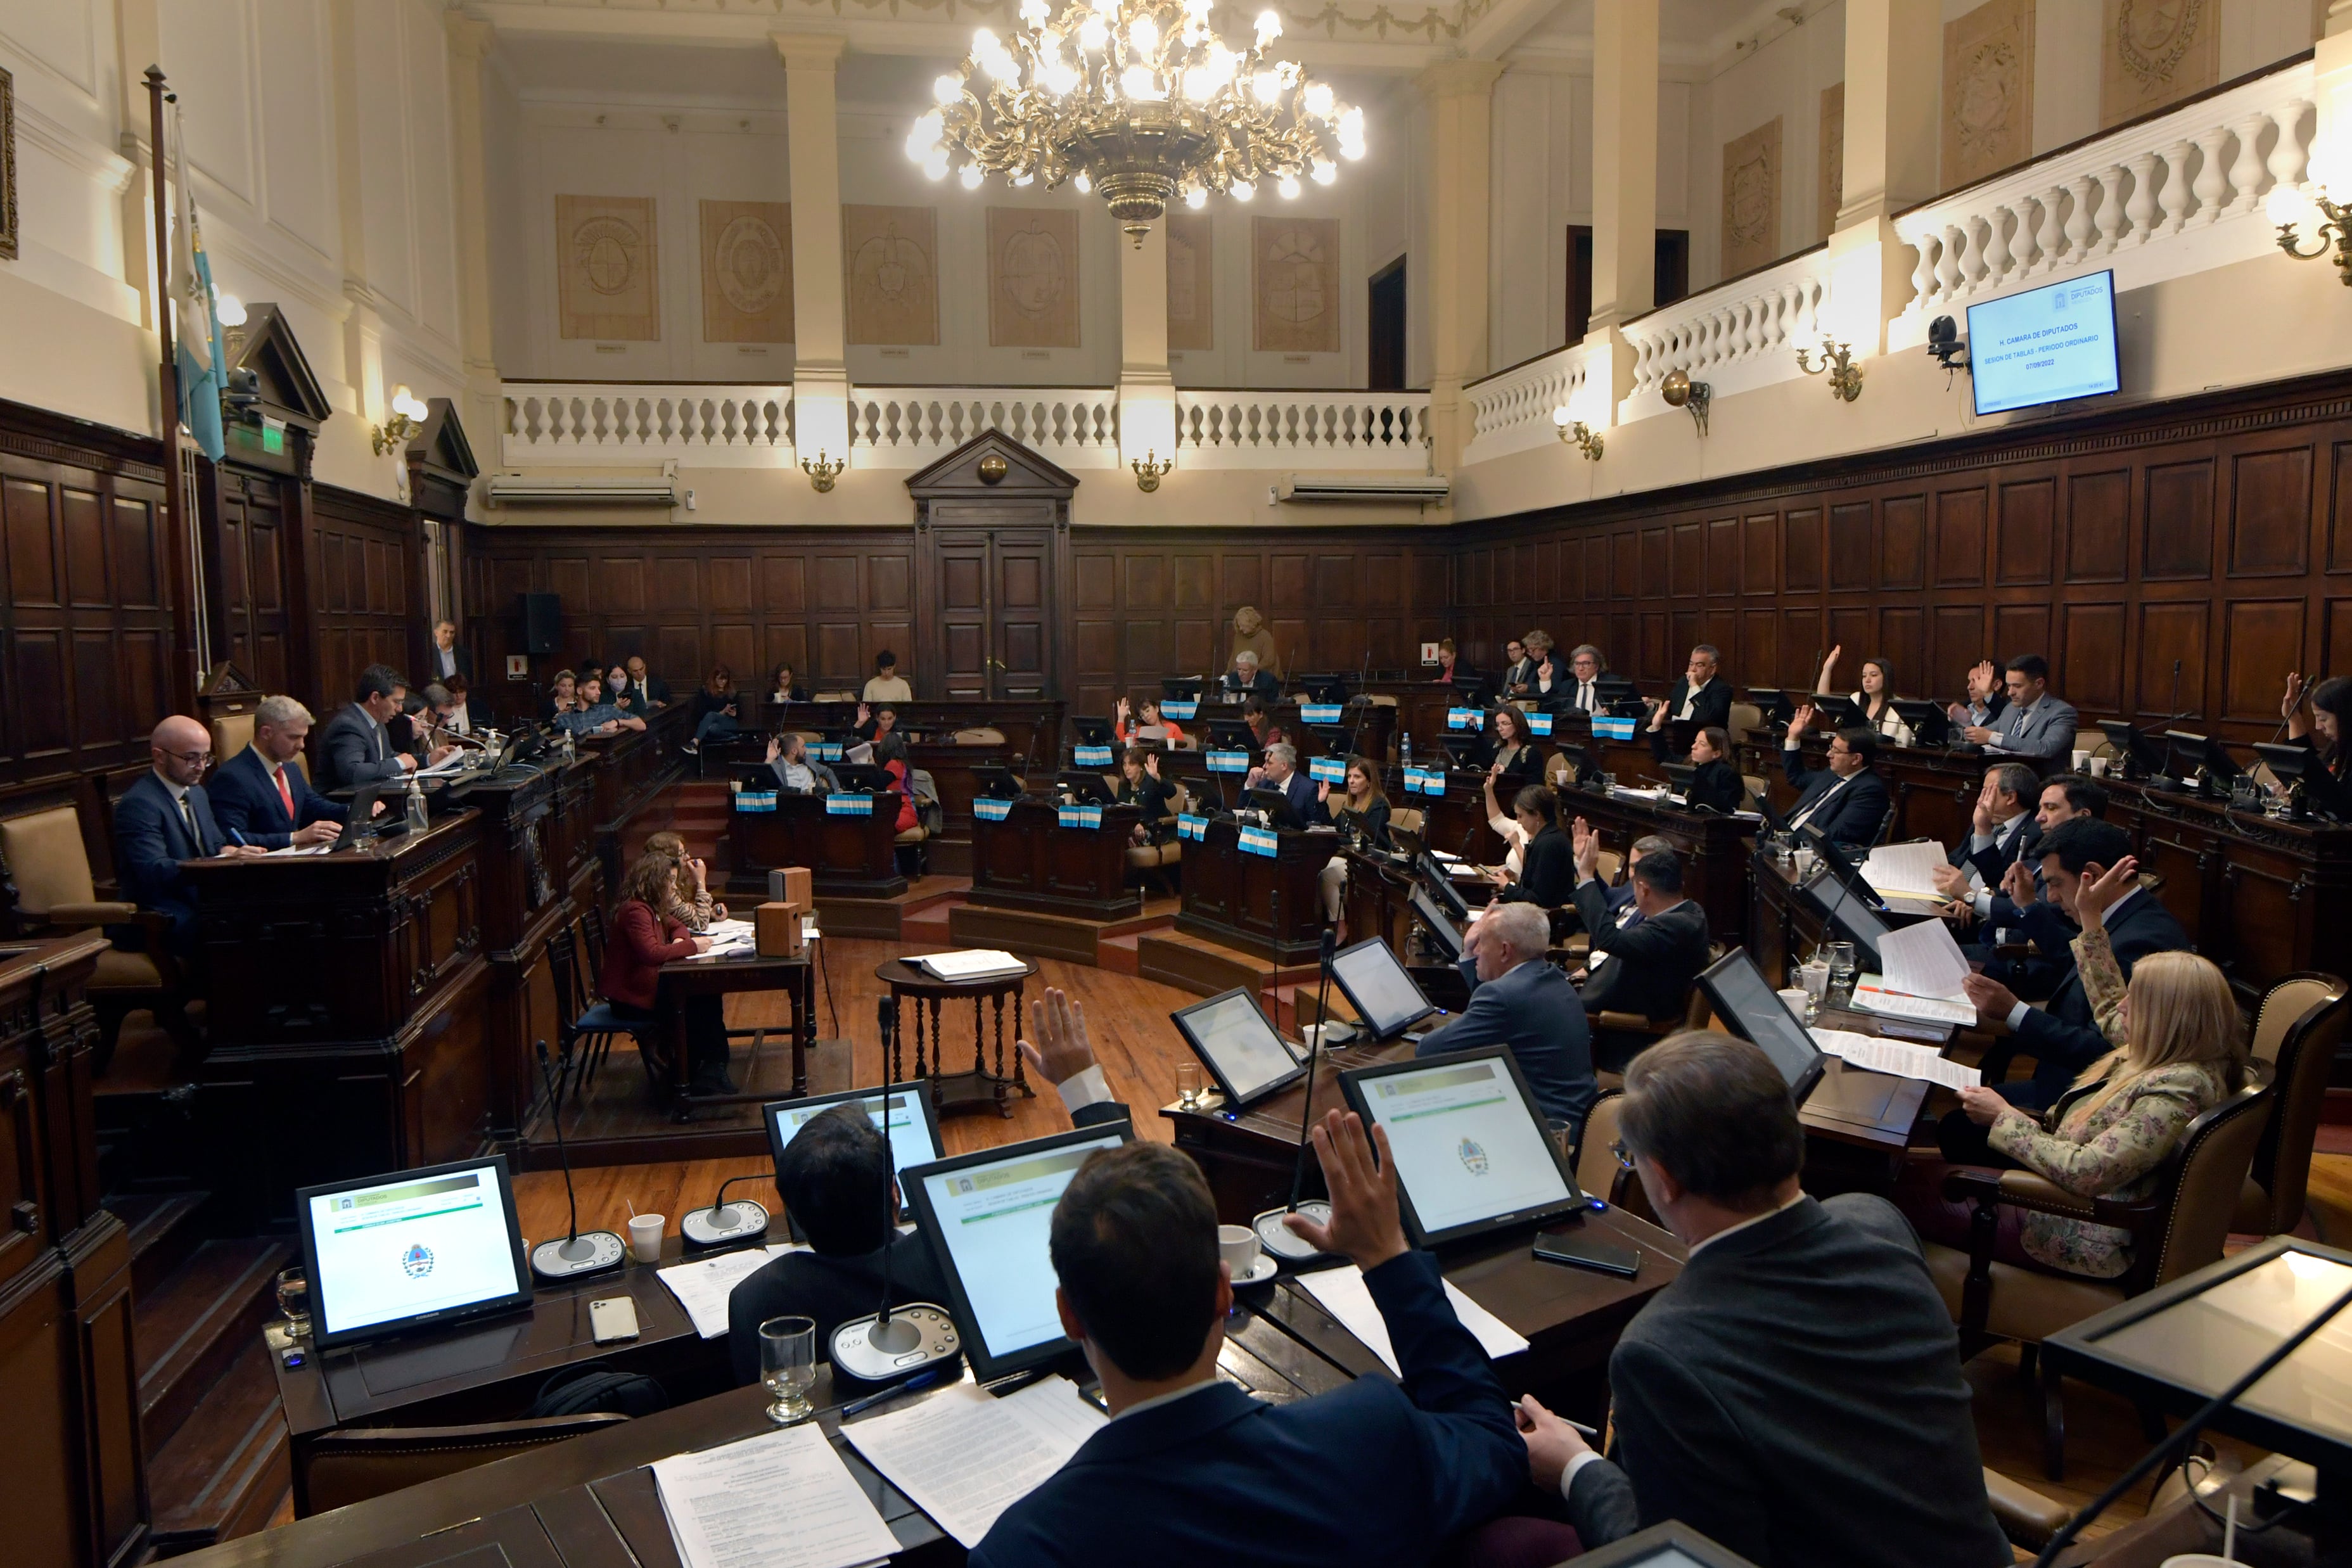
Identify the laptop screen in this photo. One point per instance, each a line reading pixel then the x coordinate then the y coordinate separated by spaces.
pixel 1384 994
pixel 1469 1143
pixel 417 1247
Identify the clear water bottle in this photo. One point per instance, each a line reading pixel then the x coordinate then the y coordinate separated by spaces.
pixel 417 818
pixel 1407 750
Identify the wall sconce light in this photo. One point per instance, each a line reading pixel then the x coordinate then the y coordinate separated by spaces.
pixel 407 419
pixel 1150 469
pixel 1681 392
pixel 822 473
pixel 1837 358
pixel 1571 428
pixel 2291 209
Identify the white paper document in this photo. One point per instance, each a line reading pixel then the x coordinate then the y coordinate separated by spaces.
pixel 1909 869
pixel 782 1500
pixel 1872 995
pixel 975 963
pixel 1343 1293
pixel 1924 961
pixel 963 1458
pixel 1900 1058
pixel 703 1286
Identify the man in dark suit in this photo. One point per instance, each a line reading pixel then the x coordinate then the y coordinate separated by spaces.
pixel 656 689
pixel 2062 1037
pixel 831 1178
pixel 1746 1403
pixel 163 819
pixel 2021 913
pixel 1378 1472
pixel 2001 833
pixel 1698 698
pixel 1643 962
pixel 1519 669
pixel 1518 999
pixel 448 658
pixel 1247 680
pixel 355 747
pixel 261 796
pixel 1280 771
pixel 1846 800
pixel 1583 692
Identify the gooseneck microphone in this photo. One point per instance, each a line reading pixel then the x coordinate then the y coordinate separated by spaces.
pixel 893 1343
pixel 580 1252
pixel 1275 1235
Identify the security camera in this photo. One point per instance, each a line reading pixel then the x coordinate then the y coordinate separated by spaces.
pixel 1944 341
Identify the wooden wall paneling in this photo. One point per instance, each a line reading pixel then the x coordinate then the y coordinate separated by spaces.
pixel 2098 525
pixel 1902 543
pixel 1961 537
pixel 2271 512
pixel 2177 520
pixel 2091 652
pixel 2026 515
pixel 2261 639
pixel 2171 631
pixel 1849 546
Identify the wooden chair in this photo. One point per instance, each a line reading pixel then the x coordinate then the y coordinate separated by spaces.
pixel 1746 719
pixel 356 1463
pixel 2179 1227
pixel 1152 862
pixel 2297 1029
pixel 45 861
pixel 1598 1172
pixel 1694 1013
pixel 585 1026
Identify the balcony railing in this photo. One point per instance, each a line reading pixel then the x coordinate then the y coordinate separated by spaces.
pixel 1512 412
pixel 1741 335
pixel 911 426
pixel 1280 430
pixel 587 424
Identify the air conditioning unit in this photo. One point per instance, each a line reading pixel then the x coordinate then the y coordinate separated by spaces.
pixel 519 490
pixel 1419 489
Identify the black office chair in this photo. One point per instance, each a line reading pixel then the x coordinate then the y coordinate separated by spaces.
pixel 592 929
pixel 586 1025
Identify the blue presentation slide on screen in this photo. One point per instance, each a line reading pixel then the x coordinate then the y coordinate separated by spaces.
pixel 2045 345
pixel 996 1220
pixel 410 1247
pixel 1465 1146
pixel 910 1135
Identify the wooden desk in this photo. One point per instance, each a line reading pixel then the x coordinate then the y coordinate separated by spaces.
pixel 1379 903
pixel 1029 860
pixel 978 1086
pixel 847 857
pixel 1269 907
pixel 348 1012
pixel 683 978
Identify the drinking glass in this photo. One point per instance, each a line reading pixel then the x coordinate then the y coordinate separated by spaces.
pixel 294 1301
pixel 1814 977
pixel 1188 1084
pixel 788 1366
pixel 1842 965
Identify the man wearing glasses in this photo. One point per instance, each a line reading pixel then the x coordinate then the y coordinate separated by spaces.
pixel 164 819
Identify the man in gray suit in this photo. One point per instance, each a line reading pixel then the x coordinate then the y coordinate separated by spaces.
pixel 795 770
pixel 1518 999
pixel 2034 724
pixel 1796 1394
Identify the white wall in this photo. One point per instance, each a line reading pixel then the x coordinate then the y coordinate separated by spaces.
pixel 256 80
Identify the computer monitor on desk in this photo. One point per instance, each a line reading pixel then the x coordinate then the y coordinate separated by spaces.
pixel 1243 1051
pixel 1736 988
pixel 1469 1143
pixel 1276 804
pixel 415 1248
pixel 1928 723
pixel 1450 938
pixel 1851 919
pixel 1384 996
pixel 863 779
pixel 914 1124
pixel 989 1218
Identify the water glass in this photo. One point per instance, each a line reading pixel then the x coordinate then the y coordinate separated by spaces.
pixel 1842 965
pixel 1814 977
pixel 1188 1084
pixel 788 1366
pixel 294 1301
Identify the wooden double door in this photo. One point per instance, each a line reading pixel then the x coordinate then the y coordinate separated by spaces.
pixel 990 628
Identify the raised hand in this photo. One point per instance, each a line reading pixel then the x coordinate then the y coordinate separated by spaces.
pixel 1366 1227
pixel 1587 844
pixel 2093 896
pixel 1982 678
pixel 2293 698
pixel 1151 763
pixel 1831 663
pixel 1798 721
pixel 1981 818
pixel 1061 1051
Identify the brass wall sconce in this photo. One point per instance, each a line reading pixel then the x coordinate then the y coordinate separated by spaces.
pixel 2290 209
pixel 1681 392
pixel 822 473
pixel 407 418
pixel 1150 469
pixel 1837 358
pixel 1588 440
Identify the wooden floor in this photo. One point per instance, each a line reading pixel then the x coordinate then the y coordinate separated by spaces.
pixel 1128 1018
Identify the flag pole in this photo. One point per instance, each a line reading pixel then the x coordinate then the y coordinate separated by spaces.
pixel 175 506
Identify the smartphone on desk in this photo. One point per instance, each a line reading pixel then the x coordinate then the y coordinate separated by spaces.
pixel 1581 1250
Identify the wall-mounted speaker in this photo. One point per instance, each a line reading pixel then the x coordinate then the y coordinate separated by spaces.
pixel 543 622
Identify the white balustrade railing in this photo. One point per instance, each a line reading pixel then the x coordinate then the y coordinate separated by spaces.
pixel 909 426
pixel 2172 195
pixel 1739 336
pixel 1511 411
pixel 587 424
pixel 1339 429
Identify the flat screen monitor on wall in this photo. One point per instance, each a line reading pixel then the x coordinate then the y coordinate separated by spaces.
pixel 2047 345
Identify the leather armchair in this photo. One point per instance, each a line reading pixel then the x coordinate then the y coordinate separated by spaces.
pixel 2179 1226
pixel 2297 1029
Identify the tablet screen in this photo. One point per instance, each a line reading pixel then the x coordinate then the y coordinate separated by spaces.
pixel 1230 1035
pixel 1378 987
pixel 1738 992
pixel 1469 1146
pixel 993 1217
pixel 1855 919
pixel 402 1247
pixel 914 1138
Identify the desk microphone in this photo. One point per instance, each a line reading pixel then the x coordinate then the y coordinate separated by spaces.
pixel 727 1224
pixel 1272 1233
pixel 581 1252
pixel 893 1343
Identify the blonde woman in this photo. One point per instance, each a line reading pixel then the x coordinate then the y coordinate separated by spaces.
pixel 2180 1050
pixel 694 908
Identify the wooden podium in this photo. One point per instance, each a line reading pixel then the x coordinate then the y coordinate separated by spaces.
pixel 1030 861
pixel 848 856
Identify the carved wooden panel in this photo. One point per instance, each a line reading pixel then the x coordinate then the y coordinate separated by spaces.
pixel 2170 632
pixel 1722 556
pixel 2091 655
pixel 2260 638
pixel 1759 552
pixel 2023 543
pixel 1801 550
pixel 2270 512
pixel 2177 530
pixel 1902 541
pixel 2098 526
pixel 1850 549
pixel 1960 537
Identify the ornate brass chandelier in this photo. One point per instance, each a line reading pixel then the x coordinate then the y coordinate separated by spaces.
pixel 1138 98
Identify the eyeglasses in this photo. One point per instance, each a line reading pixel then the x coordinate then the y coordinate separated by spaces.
pixel 192 758
pixel 1624 1158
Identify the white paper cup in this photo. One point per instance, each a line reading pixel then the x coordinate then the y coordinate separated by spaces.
pixel 2098 767
pixel 1796 1001
pixel 1238 1246
pixel 2082 761
pixel 645 1237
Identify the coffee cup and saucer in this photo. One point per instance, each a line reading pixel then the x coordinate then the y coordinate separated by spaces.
pixel 1251 1263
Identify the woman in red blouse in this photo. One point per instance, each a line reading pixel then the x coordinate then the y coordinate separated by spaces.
pixel 890 751
pixel 644 938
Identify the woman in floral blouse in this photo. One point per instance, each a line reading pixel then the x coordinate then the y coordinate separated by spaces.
pixel 2180 1052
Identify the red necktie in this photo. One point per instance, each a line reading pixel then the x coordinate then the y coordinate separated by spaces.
pixel 285 793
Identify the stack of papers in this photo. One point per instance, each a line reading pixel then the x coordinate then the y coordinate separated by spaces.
pixel 978 963
pixel 703 1285
pixel 1897 1057
pixel 782 1500
pixel 1343 1293
pixel 963 1457
pixel 1924 971
pixel 1905 871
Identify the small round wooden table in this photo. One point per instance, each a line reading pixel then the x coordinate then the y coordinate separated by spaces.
pixel 913 983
